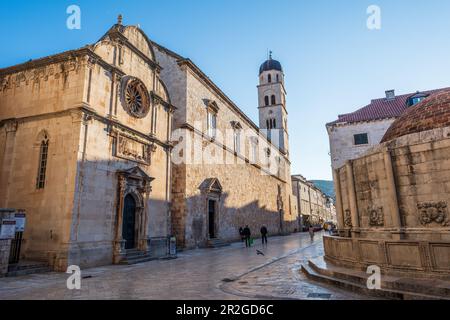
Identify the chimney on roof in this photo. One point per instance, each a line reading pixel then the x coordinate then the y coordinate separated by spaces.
pixel 390 94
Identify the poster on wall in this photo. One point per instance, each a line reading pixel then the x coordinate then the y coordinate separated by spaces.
pixel 20 218
pixel 8 229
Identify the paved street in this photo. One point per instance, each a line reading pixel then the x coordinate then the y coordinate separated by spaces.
pixel 232 272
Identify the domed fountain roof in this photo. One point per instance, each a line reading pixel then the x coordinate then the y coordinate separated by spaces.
pixel 431 113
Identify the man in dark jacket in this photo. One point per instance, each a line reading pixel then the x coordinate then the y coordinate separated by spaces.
pixel 247 235
pixel 264 235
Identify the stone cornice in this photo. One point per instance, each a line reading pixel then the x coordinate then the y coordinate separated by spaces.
pixel 216 89
pixel 347 124
pixel 59 58
pixel 212 85
pixel 117 35
pixel 53 59
pixel 156 98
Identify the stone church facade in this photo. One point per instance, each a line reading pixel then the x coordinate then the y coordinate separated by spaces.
pixel 212 201
pixel 87 139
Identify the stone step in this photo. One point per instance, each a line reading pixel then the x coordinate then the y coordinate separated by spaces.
pixel 136 260
pixel 27 271
pixel 135 254
pixel 432 287
pixel 217 243
pixel 135 257
pixel 354 284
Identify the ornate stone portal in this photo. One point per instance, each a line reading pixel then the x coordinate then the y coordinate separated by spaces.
pixel 136 183
pixel 212 191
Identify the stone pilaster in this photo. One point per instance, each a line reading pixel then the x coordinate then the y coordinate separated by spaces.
pixel 7 162
pixel 352 198
pixel 392 198
pixel 339 208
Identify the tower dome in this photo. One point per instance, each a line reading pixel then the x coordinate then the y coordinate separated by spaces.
pixel 270 64
pixel 431 113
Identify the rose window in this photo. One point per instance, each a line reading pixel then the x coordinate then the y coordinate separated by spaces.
pixel 135 97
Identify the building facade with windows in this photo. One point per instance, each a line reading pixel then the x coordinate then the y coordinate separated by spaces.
pixel 314 207
pixel 87 145
pixel 353 134
pixel 235 173
pixel 84 149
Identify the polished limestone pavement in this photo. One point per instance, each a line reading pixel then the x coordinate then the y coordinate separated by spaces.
pixel 232 272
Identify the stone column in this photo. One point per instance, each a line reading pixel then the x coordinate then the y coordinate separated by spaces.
pixel 119 243
pixel 392 197
pixel 339 208
pixel 144 244
pixel 352 198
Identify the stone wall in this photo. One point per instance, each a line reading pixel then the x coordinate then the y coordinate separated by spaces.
pixel 421 257
pixel 5 246
pixel 399 189
pixel 96 199
pixel 342 146
pixel 75 100
pixel 249 195
pixel 49 209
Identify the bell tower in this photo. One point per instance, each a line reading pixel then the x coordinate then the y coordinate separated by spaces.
pixel 272 104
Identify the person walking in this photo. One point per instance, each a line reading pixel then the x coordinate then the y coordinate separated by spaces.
pixel 264 235
pixel 247 234
pixel 311 232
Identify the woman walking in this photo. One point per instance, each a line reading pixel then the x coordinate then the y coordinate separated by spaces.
pixel 311 232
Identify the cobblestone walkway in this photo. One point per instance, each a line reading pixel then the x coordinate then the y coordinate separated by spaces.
pixel 197 274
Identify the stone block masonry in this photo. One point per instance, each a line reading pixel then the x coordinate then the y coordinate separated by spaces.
pixel 5 246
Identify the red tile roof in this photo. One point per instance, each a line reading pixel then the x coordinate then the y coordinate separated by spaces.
pixel 380 109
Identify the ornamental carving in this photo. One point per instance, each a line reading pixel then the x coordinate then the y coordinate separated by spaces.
pixel 135 97
pixel 430 212
pixel 133 150
pixel 36 73
pixel 376 217
pixel 348 218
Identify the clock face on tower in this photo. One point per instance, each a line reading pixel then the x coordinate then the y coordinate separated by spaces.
pixel 135 97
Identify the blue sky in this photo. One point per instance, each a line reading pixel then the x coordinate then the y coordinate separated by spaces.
pixel 333 63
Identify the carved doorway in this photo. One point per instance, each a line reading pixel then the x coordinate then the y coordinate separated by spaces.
pixel 212 191
pixel 129 222
pixel 212 218
pixel 131 227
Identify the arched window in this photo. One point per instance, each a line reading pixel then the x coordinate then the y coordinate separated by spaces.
pixel 269 78
pixel 278 78
pixel 42 165
pixel 266 100
pixel 273 99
